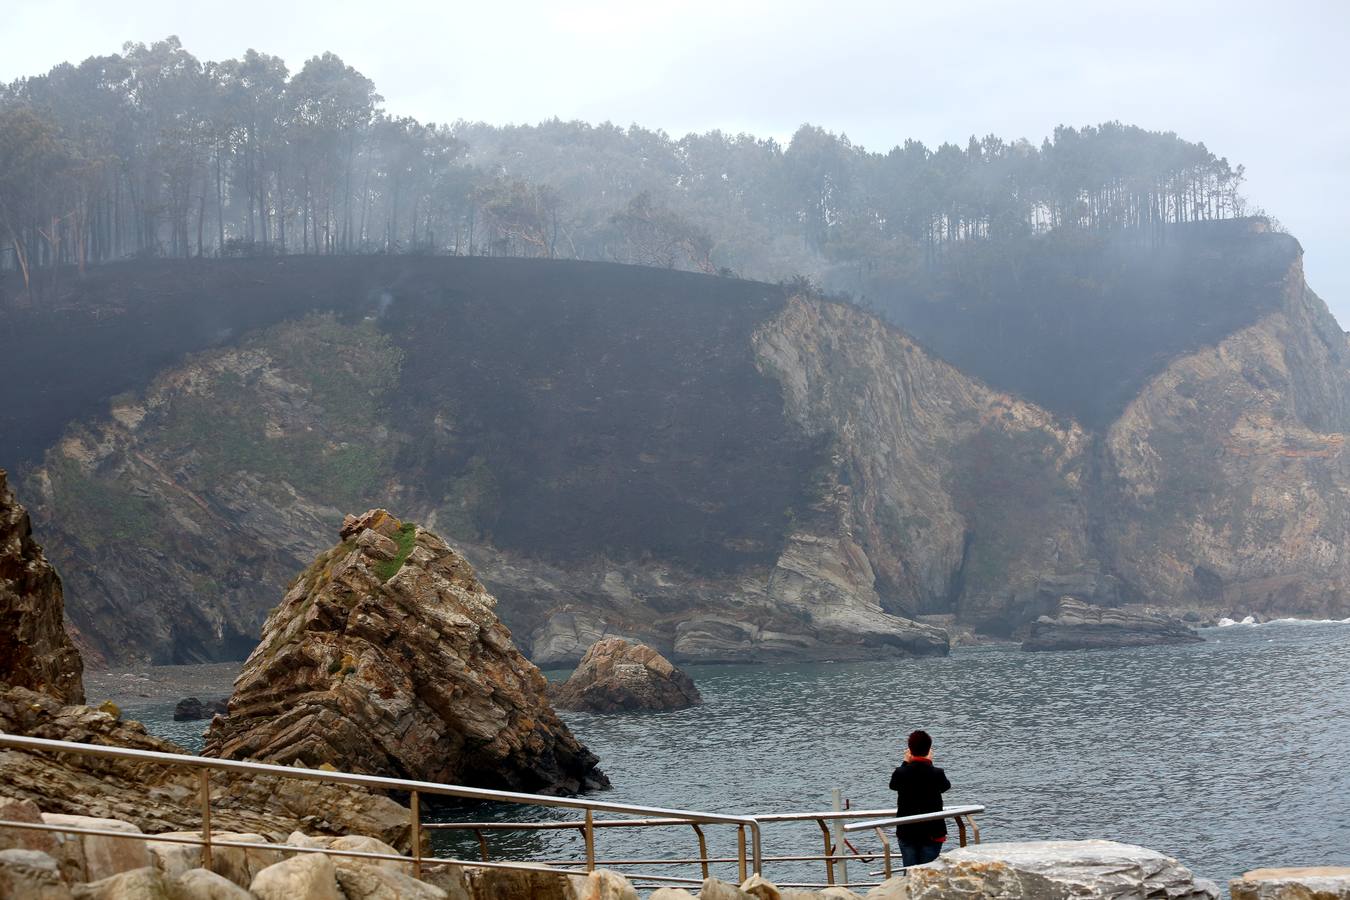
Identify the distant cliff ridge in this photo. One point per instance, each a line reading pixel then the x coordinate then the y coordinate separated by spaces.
pixel 721 469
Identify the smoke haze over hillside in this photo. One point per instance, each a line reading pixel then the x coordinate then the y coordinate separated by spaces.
pixel 1258 83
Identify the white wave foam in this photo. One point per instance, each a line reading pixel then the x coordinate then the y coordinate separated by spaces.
pixel 1251 620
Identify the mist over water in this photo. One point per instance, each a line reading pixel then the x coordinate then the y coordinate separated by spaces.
pixel 1230 755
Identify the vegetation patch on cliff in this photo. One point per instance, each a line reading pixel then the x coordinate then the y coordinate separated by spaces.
pixel 406 539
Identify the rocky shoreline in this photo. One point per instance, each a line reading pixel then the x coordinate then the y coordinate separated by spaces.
pixel 64 866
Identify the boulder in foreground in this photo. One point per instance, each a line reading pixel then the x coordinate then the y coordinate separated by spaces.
pixel 616 676
pixel 1057 869
pixel 1076 625
pixel 387 657
pixel 1313 883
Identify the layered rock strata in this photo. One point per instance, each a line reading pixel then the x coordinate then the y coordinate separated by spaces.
pixel 35 651
pixel 387 657
pixel 616 676
pixel 1075 625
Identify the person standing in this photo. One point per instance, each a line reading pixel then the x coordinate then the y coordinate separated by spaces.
pixel 918 785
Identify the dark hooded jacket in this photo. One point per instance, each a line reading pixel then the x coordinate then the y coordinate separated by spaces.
pixel 918 786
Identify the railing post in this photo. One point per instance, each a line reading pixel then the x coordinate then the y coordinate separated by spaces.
pixel 482 844
pixel 839 836
pixel 590 840
pixel 829 851
pixel 740 852
pixel 204 780
pixel 886 849
pixel 961 829
pixel 416 807
pixel 974 829
pixel 757 848
pixel 702 848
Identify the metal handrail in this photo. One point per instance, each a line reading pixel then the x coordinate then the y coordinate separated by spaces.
pixel 205 765
pixel 947 812
pixel 655 817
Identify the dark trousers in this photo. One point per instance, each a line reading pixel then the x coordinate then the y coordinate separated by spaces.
pixel 920 853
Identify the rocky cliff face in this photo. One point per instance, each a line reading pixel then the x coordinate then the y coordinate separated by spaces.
pixel 35 651
pixel 1227 484
pixel 387 657
pixel 708 466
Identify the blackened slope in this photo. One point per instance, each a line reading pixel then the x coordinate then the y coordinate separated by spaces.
pixel 1079 323
pixel 616 410
pixel 122 324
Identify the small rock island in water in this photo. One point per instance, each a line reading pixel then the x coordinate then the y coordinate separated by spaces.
pixel 616 676
pixel 1076 625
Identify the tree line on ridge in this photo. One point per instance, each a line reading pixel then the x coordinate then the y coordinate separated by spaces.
pixel 155 153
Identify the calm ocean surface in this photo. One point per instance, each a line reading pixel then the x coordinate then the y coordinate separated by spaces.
pixel 1230 755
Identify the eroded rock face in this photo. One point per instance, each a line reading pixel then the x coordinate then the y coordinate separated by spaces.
pixel 158 798
pixel 1229 471
pixel 616 676
pixel 1075 625
pixel 35 651
pixel 387 657
pixel 940 494
pixel 1056 869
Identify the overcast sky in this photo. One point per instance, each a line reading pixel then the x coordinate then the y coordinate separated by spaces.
pixel 1262 83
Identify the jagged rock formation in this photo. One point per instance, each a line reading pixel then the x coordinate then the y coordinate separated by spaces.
pixel 35 651
pixel 1056 869
pixel 616 676
pixel 1075 625
pixel 387 657
pixel 159 798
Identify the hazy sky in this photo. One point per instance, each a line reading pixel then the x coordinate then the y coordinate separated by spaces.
pixel 1263 83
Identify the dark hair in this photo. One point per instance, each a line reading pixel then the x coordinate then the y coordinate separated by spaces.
pixel 920 743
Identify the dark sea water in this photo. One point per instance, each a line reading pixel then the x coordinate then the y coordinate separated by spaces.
pixel 1230 755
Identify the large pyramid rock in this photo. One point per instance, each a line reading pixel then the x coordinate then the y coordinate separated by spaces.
pixel 386 656
pixel 35 651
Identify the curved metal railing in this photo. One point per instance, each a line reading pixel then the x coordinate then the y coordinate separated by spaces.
pixel 749 855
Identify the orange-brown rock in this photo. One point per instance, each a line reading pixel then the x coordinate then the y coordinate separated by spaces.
pixel 35 651
pixel 386 656
pixel 616 676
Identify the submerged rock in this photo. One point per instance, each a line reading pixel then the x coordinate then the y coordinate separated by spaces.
pixel 35 651
pixel 387 657
pixel 190 709
pixel 1057 869
pixel 1076 625
pixel 616 676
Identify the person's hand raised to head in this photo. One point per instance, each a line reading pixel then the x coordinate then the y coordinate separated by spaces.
pixel 909 757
